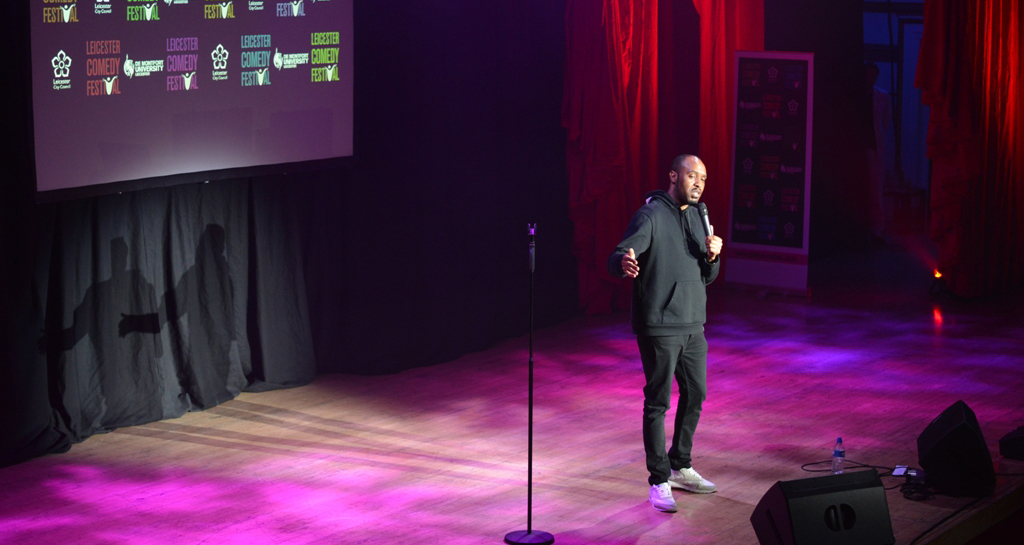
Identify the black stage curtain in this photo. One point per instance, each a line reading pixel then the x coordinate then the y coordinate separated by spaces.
pixel 150 308
pixel 149 304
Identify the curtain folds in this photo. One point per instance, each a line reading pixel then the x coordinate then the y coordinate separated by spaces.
pixel 726 27
pixel 610 113
pixel 969 75
pixel 155 303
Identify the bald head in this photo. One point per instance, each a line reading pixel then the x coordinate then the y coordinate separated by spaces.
pixel 685 159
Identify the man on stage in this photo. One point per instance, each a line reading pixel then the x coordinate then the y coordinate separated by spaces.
pixel 670 259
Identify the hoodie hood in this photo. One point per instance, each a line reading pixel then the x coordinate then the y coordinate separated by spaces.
pixel 662 196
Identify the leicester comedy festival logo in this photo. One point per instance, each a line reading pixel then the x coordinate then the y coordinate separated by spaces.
pixel 102 67
pixel 324 56
pixel 182 60
pixel 143 10
pixel 295 8
pixel 216 9
pixel 255 60
pixel 60 11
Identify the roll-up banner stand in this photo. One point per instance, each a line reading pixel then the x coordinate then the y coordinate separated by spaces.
pixel 769 220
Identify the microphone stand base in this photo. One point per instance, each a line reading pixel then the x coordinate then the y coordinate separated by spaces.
pixel 534 536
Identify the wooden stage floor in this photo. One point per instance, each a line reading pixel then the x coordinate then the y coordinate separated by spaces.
pixel 438 454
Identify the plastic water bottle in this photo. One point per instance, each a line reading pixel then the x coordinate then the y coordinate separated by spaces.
pixel 838 455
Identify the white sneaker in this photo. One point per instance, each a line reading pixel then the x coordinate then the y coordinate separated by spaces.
pixel 661 498
pixel 690 480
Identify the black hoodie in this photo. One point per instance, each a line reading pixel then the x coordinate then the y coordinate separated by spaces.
pixel 668 295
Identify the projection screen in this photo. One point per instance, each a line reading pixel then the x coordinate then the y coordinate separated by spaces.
pixel 167 90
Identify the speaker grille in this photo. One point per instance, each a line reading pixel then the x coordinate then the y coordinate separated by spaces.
pixel 846 509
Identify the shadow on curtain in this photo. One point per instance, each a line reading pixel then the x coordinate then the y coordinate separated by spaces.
pixel 153 303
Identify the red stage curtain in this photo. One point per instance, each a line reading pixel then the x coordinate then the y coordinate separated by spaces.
pixel 969 74
pixel 725 27
pixel 610 112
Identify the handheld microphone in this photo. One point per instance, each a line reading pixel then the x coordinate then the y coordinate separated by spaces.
pixel 703 209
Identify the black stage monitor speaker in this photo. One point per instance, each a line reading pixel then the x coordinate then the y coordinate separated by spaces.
pixel 1012 444
pixel 845 509
pixel 953 454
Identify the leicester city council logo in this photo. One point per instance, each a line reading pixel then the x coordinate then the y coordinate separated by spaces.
pixel 61 65
pixel 220 58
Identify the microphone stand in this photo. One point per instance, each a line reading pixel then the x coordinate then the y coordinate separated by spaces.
pixel 520 537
